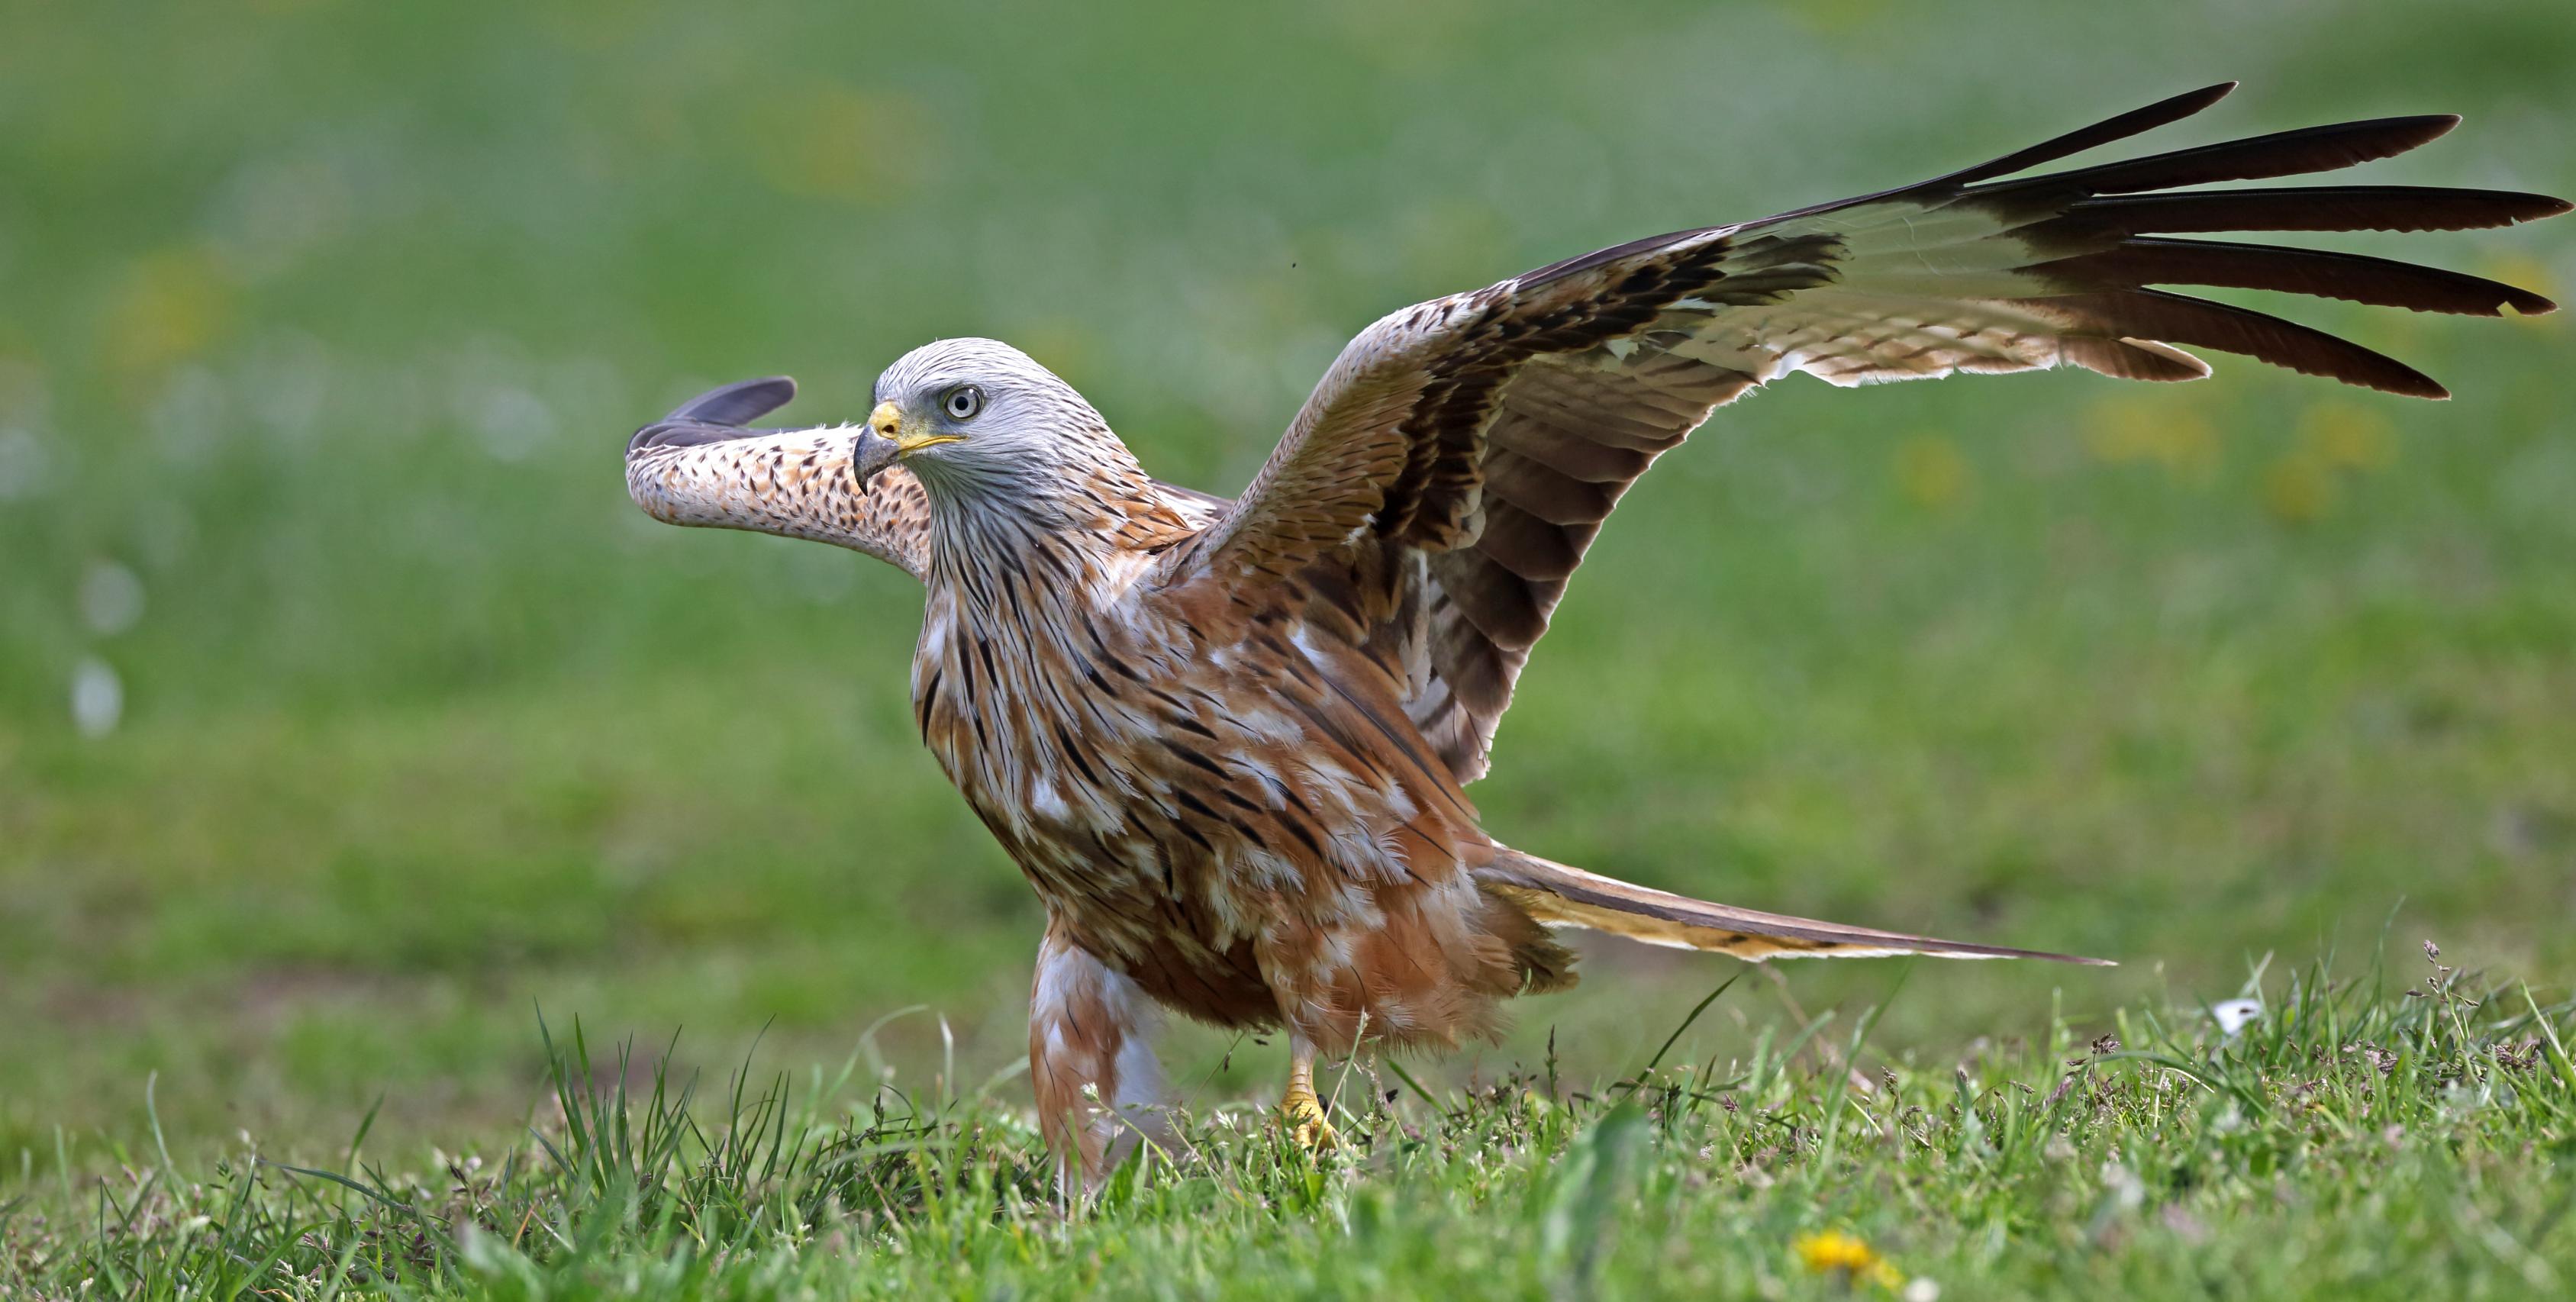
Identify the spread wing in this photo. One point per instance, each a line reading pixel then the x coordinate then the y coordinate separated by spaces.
pixel 702 465
pixel 1441 485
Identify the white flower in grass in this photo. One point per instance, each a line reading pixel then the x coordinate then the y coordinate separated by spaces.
pixel 98 697
pixel 23 465
pixel 2236 1014
pixel 111 598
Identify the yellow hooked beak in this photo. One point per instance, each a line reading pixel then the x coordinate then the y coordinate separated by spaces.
pixel 887 421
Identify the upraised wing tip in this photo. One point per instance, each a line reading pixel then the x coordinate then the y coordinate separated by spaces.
pixel 2435 125
pixel 739 402
pixel 2419 385
pixel 2172 108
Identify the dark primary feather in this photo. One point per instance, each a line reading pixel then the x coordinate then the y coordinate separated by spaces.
pixel 2117 127
pixel 717 415
pixel 2180 318
pixel 2254 158
pixel 2301 208
pixel 738 403
pixel 2325 274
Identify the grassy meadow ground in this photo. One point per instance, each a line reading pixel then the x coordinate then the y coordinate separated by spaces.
pixel 350 716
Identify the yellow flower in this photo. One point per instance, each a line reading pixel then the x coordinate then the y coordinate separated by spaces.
pixel 863 145
pixel 2299 489
pixel 1932 473
pixel 2124 431
pixel 170 306
pixel 2347 436
pixel 1845 1255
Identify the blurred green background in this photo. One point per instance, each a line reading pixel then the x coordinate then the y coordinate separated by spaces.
pixel 349 713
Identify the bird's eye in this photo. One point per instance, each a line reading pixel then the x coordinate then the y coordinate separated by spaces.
pixel 964 402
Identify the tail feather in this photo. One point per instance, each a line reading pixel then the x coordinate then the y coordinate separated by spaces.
pixel 1560 896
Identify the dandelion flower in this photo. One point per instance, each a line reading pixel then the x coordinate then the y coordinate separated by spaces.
pixel 1846 1256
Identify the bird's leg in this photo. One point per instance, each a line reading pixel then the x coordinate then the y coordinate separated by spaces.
pixel 1091 1063
pixel 1299 1108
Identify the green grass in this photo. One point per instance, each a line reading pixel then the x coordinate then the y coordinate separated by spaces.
pixel 2355 1142
pixel 321 326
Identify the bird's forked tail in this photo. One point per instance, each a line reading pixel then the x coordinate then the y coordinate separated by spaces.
pixel 1559 896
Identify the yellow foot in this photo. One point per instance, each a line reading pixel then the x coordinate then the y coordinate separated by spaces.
pixel 1303 1114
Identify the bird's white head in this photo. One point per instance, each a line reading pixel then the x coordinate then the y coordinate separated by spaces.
pixel 978 421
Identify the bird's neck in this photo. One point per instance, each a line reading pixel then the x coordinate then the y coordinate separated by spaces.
pixel 1008 550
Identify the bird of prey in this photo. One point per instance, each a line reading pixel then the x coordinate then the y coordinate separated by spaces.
pixel 1226 740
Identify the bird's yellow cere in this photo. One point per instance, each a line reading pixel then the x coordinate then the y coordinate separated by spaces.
pixel 887 421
